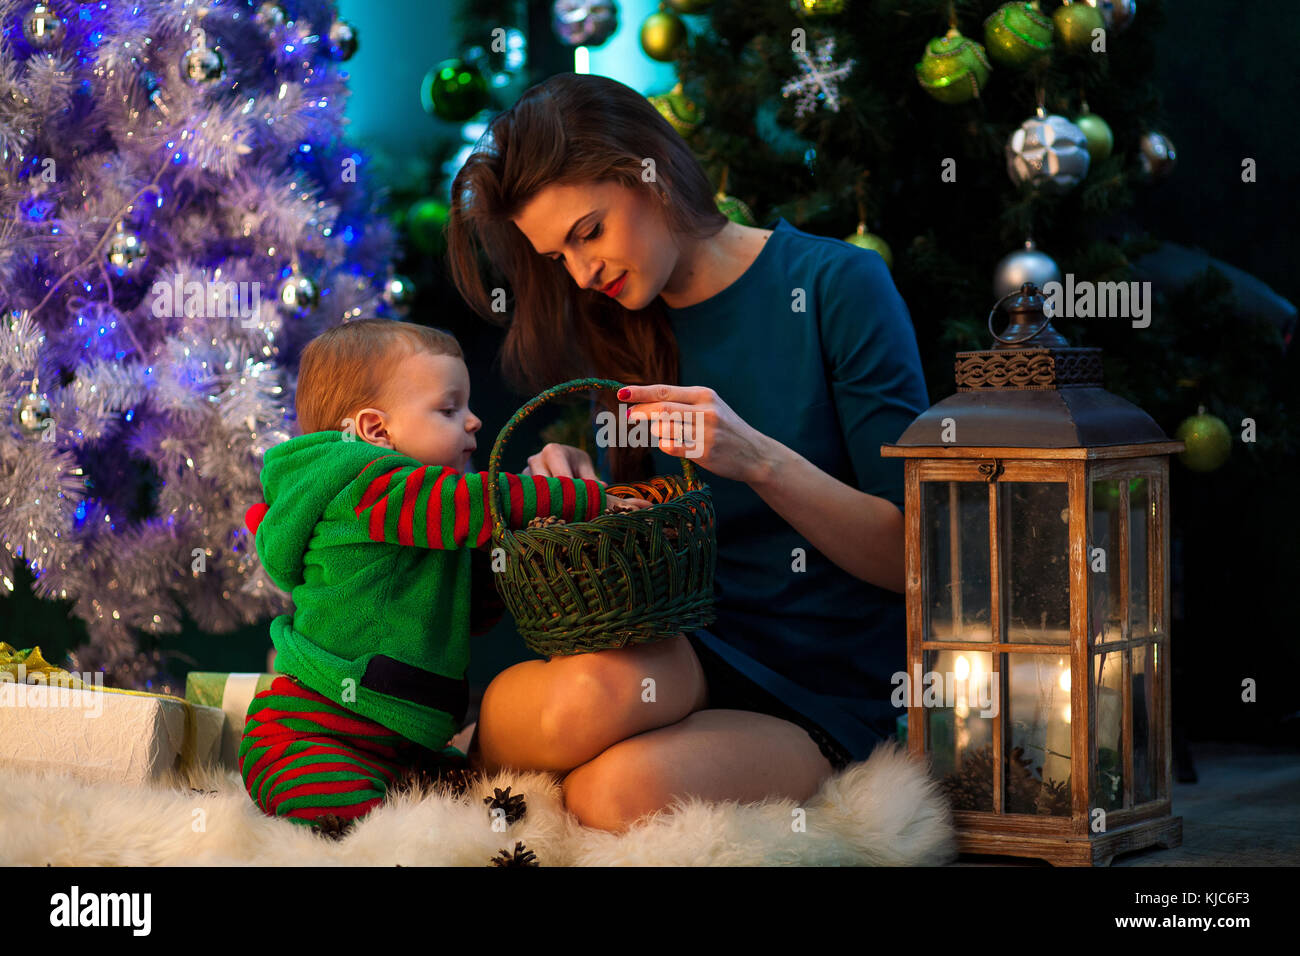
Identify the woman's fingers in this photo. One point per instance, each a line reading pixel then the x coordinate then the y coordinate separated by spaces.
pixel 664 393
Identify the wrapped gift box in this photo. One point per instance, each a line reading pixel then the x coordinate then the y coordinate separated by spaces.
pixel 101 733
pixel 231 694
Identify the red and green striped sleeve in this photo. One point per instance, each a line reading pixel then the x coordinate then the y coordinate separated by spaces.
pixel 431 506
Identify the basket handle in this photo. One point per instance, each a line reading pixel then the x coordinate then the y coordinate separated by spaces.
pixel 555 391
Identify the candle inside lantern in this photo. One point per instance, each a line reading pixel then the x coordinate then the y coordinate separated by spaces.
pixel 1056 761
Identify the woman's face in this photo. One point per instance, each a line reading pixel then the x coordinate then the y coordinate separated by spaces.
pixel 604 234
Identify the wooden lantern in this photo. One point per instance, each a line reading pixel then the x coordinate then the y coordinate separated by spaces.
pixel 1037 516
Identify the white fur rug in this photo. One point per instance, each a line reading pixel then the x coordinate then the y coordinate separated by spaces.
pixel 884 811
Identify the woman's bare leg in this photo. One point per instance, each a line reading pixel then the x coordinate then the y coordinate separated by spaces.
pixel 712 754
pixel 560 713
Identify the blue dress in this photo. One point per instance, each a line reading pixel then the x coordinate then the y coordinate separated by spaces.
pixel 814 347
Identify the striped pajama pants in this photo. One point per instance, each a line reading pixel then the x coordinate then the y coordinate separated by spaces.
pixel 303 756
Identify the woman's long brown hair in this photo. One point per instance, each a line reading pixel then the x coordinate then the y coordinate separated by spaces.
pixel 572 129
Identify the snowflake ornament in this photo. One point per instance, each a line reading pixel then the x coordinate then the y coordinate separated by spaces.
pixel 820 81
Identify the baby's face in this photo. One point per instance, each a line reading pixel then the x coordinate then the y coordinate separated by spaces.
pixel 426 406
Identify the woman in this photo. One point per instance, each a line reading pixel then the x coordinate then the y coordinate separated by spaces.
pixel 793 357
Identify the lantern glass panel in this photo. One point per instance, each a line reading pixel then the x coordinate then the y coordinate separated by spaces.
pixel 1108 678
pixel 961 715
pixel 1144 724
pixel 955 519
pixel 1038 726
pixel 1034 518
pixel 1139 533
pixel 1104 575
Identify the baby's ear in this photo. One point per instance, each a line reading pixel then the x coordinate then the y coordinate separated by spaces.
pixel 370 426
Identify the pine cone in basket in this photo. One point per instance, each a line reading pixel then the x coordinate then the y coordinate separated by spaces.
pixel 546 521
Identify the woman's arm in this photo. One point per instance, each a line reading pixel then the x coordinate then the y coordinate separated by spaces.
pixel 861 533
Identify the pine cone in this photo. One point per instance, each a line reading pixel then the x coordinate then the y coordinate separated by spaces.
pixel 546 521
pixel 334 827
pixel 515 807
pixel 520 857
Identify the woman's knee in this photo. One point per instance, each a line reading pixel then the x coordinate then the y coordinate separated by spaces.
pixel 616 789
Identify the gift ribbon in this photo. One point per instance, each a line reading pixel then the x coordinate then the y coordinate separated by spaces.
pixel 33 664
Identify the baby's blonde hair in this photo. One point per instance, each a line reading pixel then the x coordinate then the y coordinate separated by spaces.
pixel 345 368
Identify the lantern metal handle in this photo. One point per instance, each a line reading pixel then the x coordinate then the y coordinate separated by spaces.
pixel 1047 319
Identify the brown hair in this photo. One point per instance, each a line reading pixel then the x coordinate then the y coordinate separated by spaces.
pixel 346 367
pixel 573 129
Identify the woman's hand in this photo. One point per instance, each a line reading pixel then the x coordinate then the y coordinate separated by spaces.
pixel 561 461
pixel 695 423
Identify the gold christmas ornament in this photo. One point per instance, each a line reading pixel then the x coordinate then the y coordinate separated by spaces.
pixel 661 34
pixel 1075 23
pixel 868 240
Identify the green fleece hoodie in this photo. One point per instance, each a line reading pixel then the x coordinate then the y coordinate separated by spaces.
pixel 374 549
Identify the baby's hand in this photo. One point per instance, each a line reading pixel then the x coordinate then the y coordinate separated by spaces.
pixel 614 504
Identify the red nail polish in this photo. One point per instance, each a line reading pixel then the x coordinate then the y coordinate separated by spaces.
pixel 623 393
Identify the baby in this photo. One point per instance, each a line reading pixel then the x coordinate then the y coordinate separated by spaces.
pixel 370 518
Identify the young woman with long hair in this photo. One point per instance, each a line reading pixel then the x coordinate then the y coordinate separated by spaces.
pixel 584 223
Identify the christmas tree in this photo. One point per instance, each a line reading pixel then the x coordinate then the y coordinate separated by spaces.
pixel 912 127
pixel 181 214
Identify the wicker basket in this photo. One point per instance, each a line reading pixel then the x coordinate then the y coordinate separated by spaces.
pixel 619 579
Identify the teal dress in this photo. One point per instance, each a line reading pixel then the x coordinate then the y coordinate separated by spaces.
pixel 814 347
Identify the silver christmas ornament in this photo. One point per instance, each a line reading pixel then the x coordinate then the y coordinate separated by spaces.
pixel 43 28
pixel 584 22
pixel 31 413
pixel 1024 265
pixel 202 64
pixel 1048 152
pixel 1157 155
pixel 127 252
pixel 343 40
pixel 297 296
pixel 1115 14
pixel 399 293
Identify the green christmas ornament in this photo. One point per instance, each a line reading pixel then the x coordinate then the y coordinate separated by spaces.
pixel 1074 25
pixel 954 69
pixel 661 34
pixel 680 112
pixel 454 91
pixel 735 209
pixel 1018 34
pixel 867 240
pixel 817 8
pixel 424 224
pixel 1207 439
pixel 1101 141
